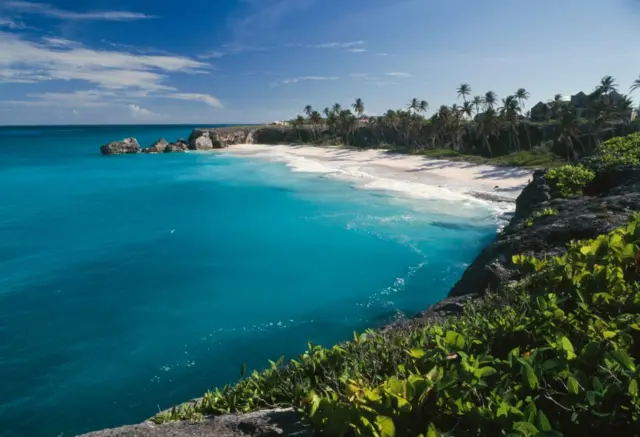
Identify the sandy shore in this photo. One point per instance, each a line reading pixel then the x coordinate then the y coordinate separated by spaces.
pixel 413 175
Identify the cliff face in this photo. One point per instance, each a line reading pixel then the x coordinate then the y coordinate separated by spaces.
pixel 609 202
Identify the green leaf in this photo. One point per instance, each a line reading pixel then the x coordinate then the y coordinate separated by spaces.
pixel 525 428
pixel 386 426
pixel 633 388
pixel 543 422
pixel 432 431
pixel 585 250
pixel 568 347
pixel 243 370
pixel 454 340
pixel 530 376
pixel 572 385
pixel 609 334
pixel 624 359
pixel 416 353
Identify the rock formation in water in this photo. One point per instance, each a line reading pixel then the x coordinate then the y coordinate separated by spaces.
pixel 157 147
pixel 218 138
pixel 125 146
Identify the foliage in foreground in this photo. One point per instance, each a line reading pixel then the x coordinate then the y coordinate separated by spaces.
pixel 547 212
pixel 552 355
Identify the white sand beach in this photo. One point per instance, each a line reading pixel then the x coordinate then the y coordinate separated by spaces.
pixel 414 176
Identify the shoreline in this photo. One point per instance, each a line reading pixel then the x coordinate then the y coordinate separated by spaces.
pixel 411 176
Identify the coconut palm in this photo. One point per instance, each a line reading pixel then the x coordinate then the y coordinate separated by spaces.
pixel 326 112
pixel 423 107
pixel 298 123
pixel 569 131
pixel 477 102
pixel 488 126
pixel 522 95
pixel 315 119
pixel 336 108
pixel 413 105
pixel 490 99
pixel 635 85
pixel 607 85
pixel 358 106
pixel 509 112
pixel 463 91
pixel 467 109
pixel 308 110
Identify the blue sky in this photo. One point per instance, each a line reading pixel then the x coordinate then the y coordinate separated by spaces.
pixel 234 61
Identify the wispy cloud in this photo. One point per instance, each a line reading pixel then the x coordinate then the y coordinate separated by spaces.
pixel 339 45
pixel 205 98
pixel 358 50
pixel 54 12
pixel 399 74
pixel 382 54
pixel 140 113
pixel 10 23
pixel 308 78
pixel 23 60
pixel 358 74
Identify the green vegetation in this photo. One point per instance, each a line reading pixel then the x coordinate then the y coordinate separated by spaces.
pixel 570 180
pixel 482 126
pixel 621 151
pixel 554 354
pixel 547 212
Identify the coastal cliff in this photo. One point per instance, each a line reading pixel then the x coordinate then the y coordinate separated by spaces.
pixel 546 220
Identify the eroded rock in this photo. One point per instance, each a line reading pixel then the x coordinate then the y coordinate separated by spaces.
pixel 125 146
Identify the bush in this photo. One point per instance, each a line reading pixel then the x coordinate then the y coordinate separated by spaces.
pixel 621 151
pixel 547 212
pixel 570 180
pixel 553 355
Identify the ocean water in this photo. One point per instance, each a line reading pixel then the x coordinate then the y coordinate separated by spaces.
pixel 131 283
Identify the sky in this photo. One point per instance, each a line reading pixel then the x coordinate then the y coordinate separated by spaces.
pixel 252 61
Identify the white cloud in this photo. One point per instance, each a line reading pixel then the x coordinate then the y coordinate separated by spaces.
pixel 340 45
pixel 399 74
pixel 211 55
pixel 206 98
pixel 358 50
pixel 139 112
pixel 358 75
pixel 382 54
pixel 23 61
pixel 52 11
pixel 11 23
pixel 306 78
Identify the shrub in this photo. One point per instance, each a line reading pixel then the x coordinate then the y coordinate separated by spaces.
pixel 570 180
pixel 621 150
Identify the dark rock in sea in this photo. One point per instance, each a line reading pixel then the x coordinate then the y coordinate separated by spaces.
pixel 157 147
pixel 259 424
pixel 178 146
pixel 613 197
pixel 125 146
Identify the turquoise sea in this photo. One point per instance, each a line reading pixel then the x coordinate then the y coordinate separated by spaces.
pixel 131 283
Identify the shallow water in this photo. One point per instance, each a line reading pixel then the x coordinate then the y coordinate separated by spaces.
pixel 130 283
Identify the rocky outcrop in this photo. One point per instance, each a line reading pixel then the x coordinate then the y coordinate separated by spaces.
pixel 125 146
pixel 611 199
pixel 157 147
pixel 218 138
pixel 278 422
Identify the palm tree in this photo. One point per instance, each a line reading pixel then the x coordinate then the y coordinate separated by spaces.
pixel 308 110
pixel 635 85
pixel 607 84
pixel 490 99
pixel 509 112
pixel 569 131
pixel 358 106
pixel 463 91
pixel 556 105
pixel 522 95
pixel 414 105
pixel 467 109
pixel 315 119
pixel 477 102
pixel 326 112
pixel 336 108
pixel 423 107
pixel 297 123
pixel 488 126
